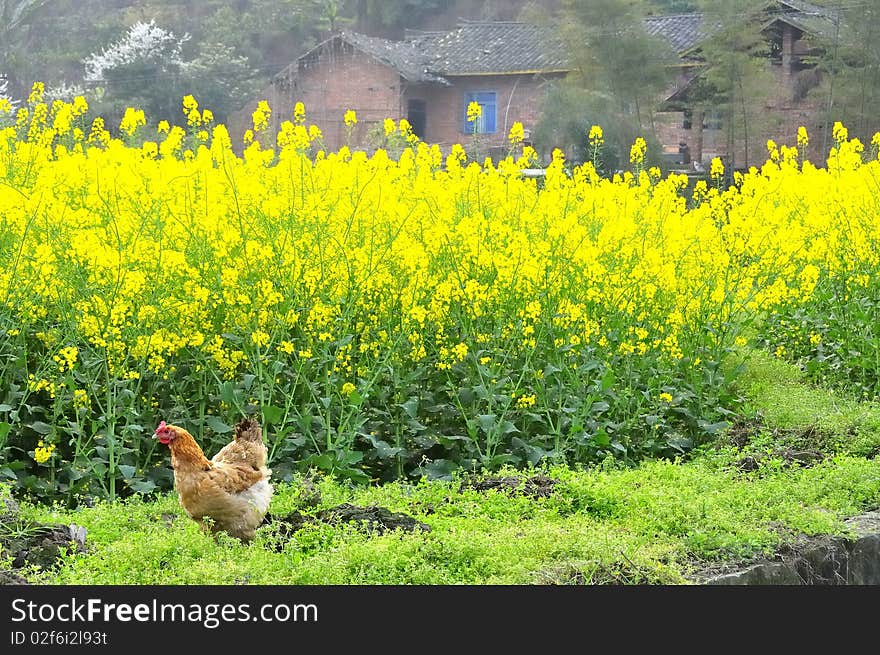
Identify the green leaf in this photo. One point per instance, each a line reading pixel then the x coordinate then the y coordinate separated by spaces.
pixel 4 430
pixel 5 408
pixel 217 425
pixel 272 414
pixel 355 475
pixel 679 443
pixel 507 427
pixel 439 469
pixel 324 462
pixel 127 471
pixel 227 393
pixel 7 472
pixel 550 371
pixel 411 407
pixel 383 449
pixel 608 380
pixel 350 457
pixel 486 422
pixel 40 427
pixel 713 428
pixel 142 486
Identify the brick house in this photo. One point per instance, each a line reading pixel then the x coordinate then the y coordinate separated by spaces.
pixel 791 28
pixel 429 78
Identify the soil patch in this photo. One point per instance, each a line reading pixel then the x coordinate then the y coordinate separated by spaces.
pixel 36 544
pixel 537 486
pixel 789 456
pixel 371 519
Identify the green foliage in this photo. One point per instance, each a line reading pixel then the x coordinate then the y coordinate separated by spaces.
pixel 850 62
pixel 568 113
pixel 836 337
pixel 674 6
pixel 620 70
pixel 737 80
pixel 658 523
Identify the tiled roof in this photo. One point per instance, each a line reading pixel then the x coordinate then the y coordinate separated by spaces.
pixel 682 31
pixel 808 8
pixel 685 31
pixel 407 57
pixel 481 48
pixel 485 48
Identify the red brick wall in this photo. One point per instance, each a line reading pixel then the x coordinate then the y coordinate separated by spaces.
pixel 518 98
pixel 339 79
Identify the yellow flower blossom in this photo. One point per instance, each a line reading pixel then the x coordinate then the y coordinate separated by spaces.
pixel 517 133
pixel 42 452
pixel 474 111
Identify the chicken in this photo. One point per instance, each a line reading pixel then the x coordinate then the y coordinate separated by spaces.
pixel 228 493
pixel 247 447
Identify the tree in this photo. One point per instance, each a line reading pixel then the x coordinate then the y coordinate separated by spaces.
pixel 850 91
pixel 16 17
pixel 394 15
pixel 736 81
pixel 220 79
pixel 141 68
pixel 620 71
pixel 568 113
pixel 5 98
pixel 673 6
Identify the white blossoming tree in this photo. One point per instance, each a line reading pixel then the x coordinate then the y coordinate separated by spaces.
pixel 4 93
pixel 143 68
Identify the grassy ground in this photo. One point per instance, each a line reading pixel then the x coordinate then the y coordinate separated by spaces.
pixel 803 463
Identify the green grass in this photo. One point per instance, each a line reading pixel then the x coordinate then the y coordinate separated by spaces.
pixel 659 523
pixel 779 394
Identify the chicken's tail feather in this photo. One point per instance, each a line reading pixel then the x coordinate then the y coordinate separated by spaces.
pixel 248 429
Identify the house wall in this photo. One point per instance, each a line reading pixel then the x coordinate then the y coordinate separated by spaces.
pixel 779 119
pixel 519 97
pixel 337 80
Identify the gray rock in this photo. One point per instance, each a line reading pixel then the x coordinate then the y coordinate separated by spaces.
pixel 822 560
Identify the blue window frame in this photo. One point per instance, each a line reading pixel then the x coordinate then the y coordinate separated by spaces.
pixel 487 122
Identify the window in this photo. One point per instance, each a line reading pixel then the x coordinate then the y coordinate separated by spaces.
pixel 712 120
pixel 486 123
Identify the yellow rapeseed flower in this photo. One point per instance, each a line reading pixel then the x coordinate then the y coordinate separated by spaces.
pixel 42 452
pixel 803 139
pixel 517 133
pixel 299 112
pixel 637 151
pixel 474 111
pixel 132 120
pixel 716 169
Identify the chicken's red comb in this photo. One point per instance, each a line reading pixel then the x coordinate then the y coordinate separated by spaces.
pixel 162 426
